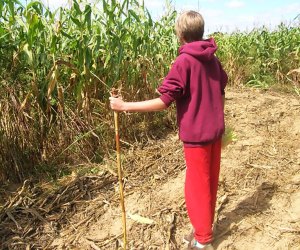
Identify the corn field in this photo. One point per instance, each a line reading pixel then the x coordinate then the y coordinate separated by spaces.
pixel 262 58
pixel 57 68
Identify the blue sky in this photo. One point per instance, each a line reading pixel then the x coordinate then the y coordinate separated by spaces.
pixel 226 15
pixel 229 15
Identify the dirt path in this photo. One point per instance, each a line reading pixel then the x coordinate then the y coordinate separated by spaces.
pixel 258 199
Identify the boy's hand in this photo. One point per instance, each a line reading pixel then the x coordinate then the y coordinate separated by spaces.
pixel 117 104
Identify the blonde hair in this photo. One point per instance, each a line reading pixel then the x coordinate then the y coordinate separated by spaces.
pixel 190 26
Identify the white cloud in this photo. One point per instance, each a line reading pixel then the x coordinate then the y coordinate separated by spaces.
pixel 289 9
pixel 212 13
pixel 235 4
pixel 156 7
pixel 271 20
pixel 54 4
pixel 150 4
pixel 207 1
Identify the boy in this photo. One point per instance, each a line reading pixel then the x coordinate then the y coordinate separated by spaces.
pixel 196 82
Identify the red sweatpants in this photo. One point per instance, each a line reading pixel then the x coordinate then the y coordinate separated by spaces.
pixel 201 185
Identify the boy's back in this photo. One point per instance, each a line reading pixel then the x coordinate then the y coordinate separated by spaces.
pixel 196 82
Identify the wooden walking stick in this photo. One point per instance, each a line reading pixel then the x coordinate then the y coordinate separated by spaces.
pixel 114 93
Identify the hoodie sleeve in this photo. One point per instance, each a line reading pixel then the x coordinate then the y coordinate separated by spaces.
pixel 224 78
pixel 173 86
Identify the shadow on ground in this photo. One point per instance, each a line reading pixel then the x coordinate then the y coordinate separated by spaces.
pixel 258 202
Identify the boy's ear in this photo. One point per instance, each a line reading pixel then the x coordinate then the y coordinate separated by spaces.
pixel 182 41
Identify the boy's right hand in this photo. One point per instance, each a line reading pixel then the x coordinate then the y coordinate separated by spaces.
pixel 117 104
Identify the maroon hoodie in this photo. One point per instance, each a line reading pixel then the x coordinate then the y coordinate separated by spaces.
pixel 196 82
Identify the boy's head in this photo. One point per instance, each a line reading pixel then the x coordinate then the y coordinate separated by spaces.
pixel 189 27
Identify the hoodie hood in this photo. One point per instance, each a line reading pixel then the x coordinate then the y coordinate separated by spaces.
pixel 203 50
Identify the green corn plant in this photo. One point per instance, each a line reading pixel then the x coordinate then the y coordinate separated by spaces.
pixel 228 137
pixel 59 66
pixel 260 57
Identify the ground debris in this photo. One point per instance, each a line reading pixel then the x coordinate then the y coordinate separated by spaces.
pixel 43 217
pixel 258 199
